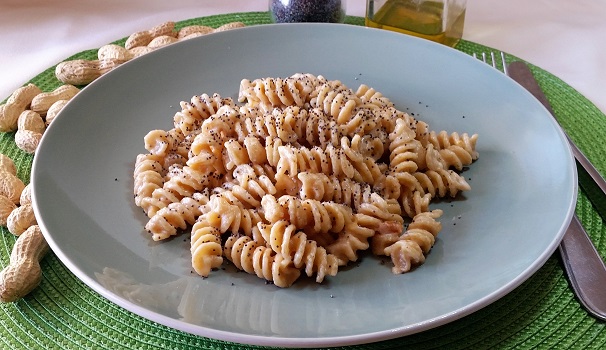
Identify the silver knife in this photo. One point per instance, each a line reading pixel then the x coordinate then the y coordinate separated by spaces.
pixel 584 266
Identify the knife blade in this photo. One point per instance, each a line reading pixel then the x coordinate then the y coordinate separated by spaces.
pixel 583 265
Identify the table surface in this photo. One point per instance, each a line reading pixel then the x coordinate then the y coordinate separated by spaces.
pixel 560 37
pixel 564 37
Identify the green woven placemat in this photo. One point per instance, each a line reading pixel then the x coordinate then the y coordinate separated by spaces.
pixel 542 313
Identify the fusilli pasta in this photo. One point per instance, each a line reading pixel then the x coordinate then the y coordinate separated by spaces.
pixel 147 177
pixel 193 113
pixel 370 95
pixel 307 214
pixel 227 213
pixel 332 160
pixel 248 255
pixel 291 91
pixel 206 249
pixel 297 250
pixel 412 246
pixel 168 220
pixel 299 177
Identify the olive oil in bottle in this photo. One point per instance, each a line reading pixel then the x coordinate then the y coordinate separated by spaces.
pixel 439 21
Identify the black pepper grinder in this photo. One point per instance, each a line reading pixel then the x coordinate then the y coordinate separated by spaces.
pixel 290 11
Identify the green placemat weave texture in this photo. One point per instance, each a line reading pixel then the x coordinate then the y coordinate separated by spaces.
pixel 542 313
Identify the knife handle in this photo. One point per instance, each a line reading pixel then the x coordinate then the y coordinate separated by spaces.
pixel 585 269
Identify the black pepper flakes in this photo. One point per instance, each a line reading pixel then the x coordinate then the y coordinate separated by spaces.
pixel 328 11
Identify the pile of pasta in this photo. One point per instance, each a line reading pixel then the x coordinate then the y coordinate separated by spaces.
pixel 298 177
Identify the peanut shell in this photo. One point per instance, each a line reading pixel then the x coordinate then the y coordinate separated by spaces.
pixel 21 219
pixel 26 195
pixel 23 274
pixel 7 164
pixel 6 208
pixel 28 140
pixel 30 120
pixel 11 186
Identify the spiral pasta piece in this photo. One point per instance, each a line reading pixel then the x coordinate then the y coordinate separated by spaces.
pixel 375 210
pixel 184 146
pixel 236 153
pixel 188 181
pixel 359 121
pixel 403 149
pixel 228 213
pixel 291 124
pixel 290 91
pixel 333 161
pixel 200 107
pixel 438 183
pixel 273 124
pixel 173 170
pixel 410 249
pixel 184 183
pixel 444 140
pixel 336 100
pixel 321 187
pixel 388 186
pixel 176 216
pixel 386 118
pixel 260 170
pixel 307 214
pixel 441 150
pixel 367 145
pixel 247 188
pixel 237 218
pixel 242 195
pixel 353 239
pixel 455 157
pixel 420 127
pixel 249 111
pixel 423 229
pixel 205 157
pixel 456 150
pixel 415 202
pixel 173 161
pixel 374 214
pixel 254 180
pixel 433 159
pixel 206 250
pixel 370 95
pixel 161 142
pixel 250 256
pixel 295 248
pixel 219 126
pixel 272 150
pixel 387 234
pixel 317 129
pixel 147 176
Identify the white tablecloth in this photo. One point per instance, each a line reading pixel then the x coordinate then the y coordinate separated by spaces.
pixel 564 37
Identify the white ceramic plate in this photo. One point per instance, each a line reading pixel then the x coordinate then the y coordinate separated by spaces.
pixel 493 238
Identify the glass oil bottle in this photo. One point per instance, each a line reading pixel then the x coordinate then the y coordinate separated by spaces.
pixel 437 20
